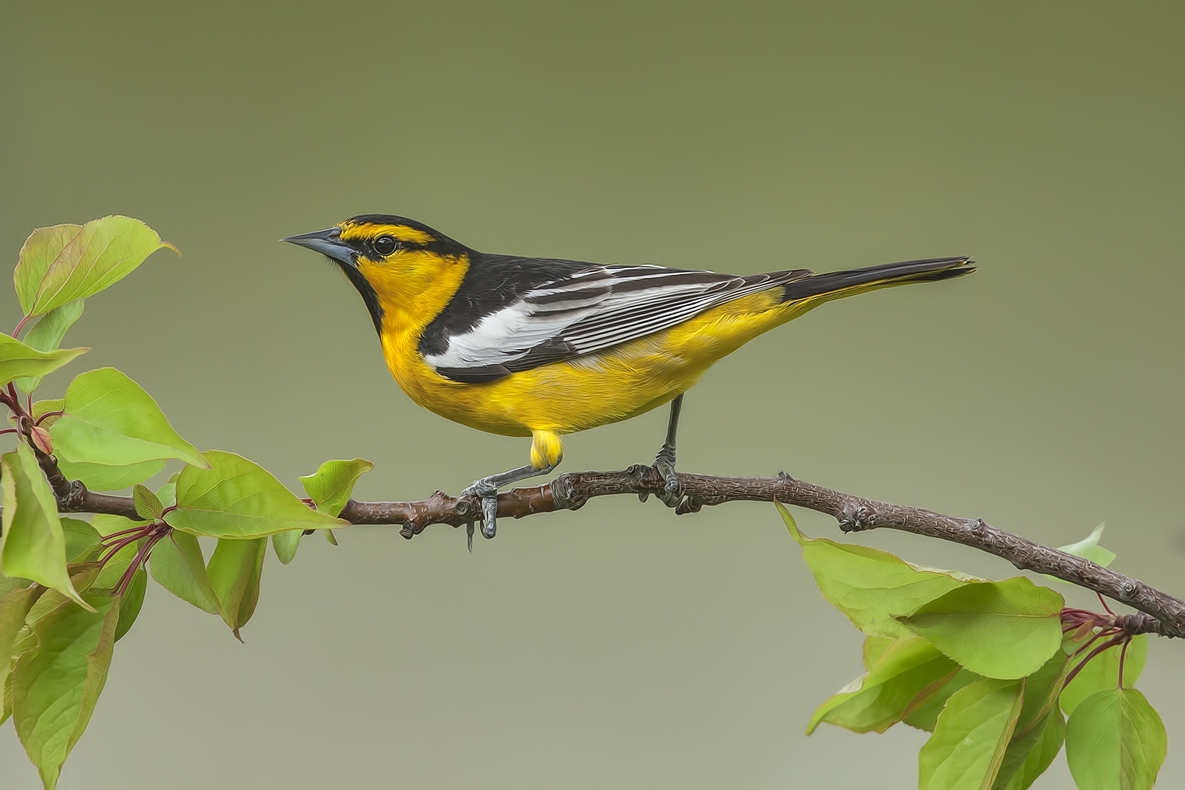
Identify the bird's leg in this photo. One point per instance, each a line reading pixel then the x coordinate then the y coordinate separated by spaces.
pixel 487 490
pixel 665 461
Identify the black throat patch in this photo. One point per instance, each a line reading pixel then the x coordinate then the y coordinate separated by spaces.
pixel 369 297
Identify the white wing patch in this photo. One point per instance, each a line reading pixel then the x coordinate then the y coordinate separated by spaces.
pixel 592 310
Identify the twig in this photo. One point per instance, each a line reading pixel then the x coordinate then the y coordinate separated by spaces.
pixel 1162 613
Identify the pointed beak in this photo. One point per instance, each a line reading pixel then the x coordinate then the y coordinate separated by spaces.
pixel 327 242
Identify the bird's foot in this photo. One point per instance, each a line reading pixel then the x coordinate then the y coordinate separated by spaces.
pixel 487 492
pixel 671 493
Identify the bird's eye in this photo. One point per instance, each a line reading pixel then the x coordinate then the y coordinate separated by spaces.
pixel 385 245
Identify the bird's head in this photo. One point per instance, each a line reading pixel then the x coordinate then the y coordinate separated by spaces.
pixel 395 263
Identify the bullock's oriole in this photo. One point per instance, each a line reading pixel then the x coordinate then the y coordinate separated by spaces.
pixel 542 347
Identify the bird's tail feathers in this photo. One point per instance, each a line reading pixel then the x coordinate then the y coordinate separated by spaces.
pixel 824 287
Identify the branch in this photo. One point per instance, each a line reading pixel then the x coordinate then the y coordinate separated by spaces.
pixel 1162 613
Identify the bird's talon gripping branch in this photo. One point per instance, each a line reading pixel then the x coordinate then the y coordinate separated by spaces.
pixel 671 493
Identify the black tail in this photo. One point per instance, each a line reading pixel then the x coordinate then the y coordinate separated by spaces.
pixel 836 284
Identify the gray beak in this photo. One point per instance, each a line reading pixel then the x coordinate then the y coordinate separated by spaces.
pixel 327 242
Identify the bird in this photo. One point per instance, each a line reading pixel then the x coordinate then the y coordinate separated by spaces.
pixel 544 347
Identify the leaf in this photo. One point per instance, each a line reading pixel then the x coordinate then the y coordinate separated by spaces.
pixel 1042 689
pixel 14 608
pixel 100 477
pixel 131 602
pixel 167 494
pixel 905 674
pixel 59 265
pixel 44 407
pixel 1103 672
pixel 235 570
pixel 111 420
pixel 32 545
pixel 1115 739
pixel 1087 548
pixel 177 564
pixel 925 716
pixel 968 745
pixel 39 251
pixel 1001 630
pixel 869 586
pixel 332 484
pixel 1039 709
pixel 148 507
pixel 236 498
pixel 55 686
pixel 1040 746
pixel 81 539
pixel 18 360
pixel 47 335
pixel 286 544
pixel 874 648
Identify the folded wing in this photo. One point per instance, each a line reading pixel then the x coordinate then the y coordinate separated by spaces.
pixel 587 311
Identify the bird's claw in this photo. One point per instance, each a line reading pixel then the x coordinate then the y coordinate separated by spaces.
pixel 488 495
pixel 672 493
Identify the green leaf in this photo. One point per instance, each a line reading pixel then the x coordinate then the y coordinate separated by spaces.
pixel 235 570
pixel 329 536
pixel 100 477
pixel 111 420
pixel 18 360
pixel 1042 689
pixel 925 716
pixel 874 648
pixel 81 539
pixel 47 335
pixel 14 608
pixel 38 253
pixel 332 484
pixel 968 745
pixel 1115 739
pixel 44 407
pixel 32 545
pixel 1001 630
pixel 1103 672
pixel 1087 548
pixel 286 544
pixel 1039 709
pixel 236 498
pixel 1040 747
pixel 55 686
pixel 148 507
pixel 167 494
pixel 908 671
pixel 177 564
pixel 871 587
pixel 131 602
pixel 68 262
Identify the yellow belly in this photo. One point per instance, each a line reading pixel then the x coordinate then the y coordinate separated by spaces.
pixel 601 388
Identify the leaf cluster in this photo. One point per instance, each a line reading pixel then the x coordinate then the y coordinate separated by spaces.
pixel 990 670
pixel 70 589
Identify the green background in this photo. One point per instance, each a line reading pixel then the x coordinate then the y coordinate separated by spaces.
pixel 619 646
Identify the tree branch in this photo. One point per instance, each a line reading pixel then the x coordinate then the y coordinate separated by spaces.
pixel 1163 614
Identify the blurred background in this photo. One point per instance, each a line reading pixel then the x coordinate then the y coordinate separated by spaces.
pixel 619 646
